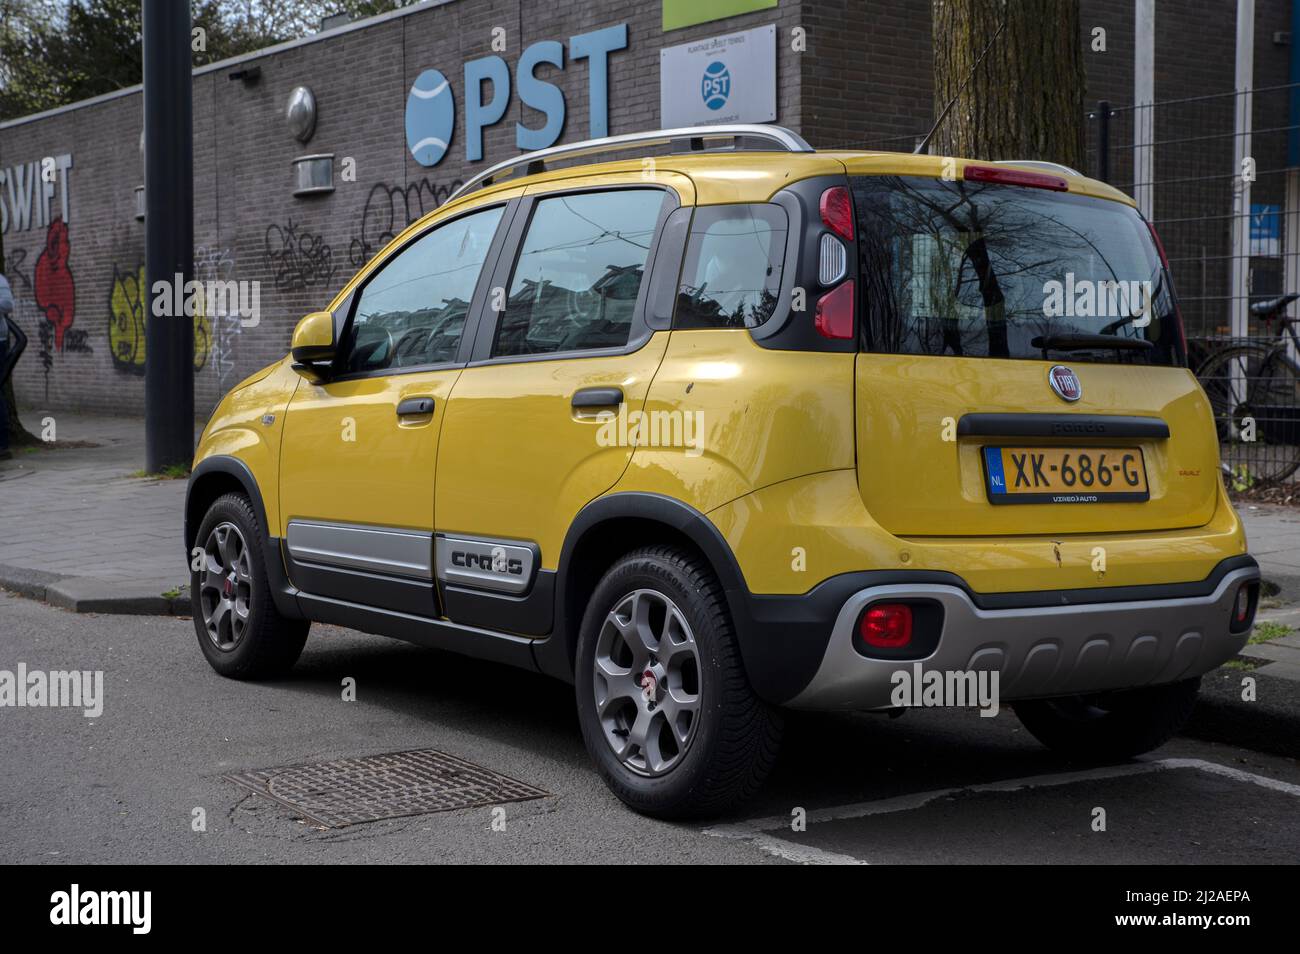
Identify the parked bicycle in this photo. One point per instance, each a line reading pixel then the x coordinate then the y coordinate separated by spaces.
pixel 1254 389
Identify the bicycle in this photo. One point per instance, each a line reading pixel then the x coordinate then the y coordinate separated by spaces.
pixel 1254 391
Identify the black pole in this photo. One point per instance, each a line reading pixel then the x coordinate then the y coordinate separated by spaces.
pixel 169 234
pixel 1103 140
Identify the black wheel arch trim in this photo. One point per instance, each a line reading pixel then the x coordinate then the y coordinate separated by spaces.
pixel 282 591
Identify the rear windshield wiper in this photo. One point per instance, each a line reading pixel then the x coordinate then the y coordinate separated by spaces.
pixel 1082 342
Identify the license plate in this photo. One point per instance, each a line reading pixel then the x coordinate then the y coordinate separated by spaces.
pixel 1018 475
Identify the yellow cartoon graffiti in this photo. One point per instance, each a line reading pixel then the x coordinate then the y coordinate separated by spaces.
pixel 126 335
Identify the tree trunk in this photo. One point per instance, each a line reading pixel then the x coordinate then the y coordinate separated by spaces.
pixel 18 435
pixel 1025 100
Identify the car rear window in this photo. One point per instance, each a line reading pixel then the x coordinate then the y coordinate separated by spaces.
pixel 991 270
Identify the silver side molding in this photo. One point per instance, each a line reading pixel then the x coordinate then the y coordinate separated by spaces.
pixel 502 566
pixel 377 549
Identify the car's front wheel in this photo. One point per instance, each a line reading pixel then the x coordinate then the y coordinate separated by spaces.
pixel 1113 725
pixel 240 631
pixel 666 710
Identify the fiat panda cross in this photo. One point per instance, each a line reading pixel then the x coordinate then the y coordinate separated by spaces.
pixel 718 432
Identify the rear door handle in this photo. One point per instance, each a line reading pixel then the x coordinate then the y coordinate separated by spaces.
pixel 415 405
pixel 597 397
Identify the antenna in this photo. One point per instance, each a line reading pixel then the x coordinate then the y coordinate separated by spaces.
pixel 925 143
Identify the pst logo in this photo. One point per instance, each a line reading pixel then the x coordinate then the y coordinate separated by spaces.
pixel 716 85
pixel 430 117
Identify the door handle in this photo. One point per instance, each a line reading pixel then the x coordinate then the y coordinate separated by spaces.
pixel 597 397
pixel 415 405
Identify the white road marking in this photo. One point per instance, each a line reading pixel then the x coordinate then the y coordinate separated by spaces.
pixel 756 830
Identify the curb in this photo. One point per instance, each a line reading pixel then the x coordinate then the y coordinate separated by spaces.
pixel 90 595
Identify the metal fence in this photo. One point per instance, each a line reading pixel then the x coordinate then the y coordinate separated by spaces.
pixel 1225 203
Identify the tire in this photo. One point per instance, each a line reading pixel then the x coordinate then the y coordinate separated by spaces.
pixel 259 643
pixel 725 743
pixel 1111 726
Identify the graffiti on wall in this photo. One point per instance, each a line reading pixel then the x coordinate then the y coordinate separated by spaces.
pixel 213 264
pixel 297 258
pixel 127 303
pixel 391 208
pixel 45 299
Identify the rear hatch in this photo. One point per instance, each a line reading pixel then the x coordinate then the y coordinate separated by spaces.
pixel 1022 364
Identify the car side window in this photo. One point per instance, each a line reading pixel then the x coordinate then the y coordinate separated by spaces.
pixel 412 311
pixel 732 274
pixel 578 272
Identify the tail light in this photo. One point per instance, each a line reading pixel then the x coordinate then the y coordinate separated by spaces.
pixel 1243 608
pixel 1003 176
pixel 1164 263
pixel 837 212
pixel 832 260
pixel 886 625
pixel 835 312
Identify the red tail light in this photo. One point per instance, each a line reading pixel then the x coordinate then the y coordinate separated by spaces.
pixel 886 625
pixel 1164 263
pixel 835 312
pixel 1004 176
pixel 837 212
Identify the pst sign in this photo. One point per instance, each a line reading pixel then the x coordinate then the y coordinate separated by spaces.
pixel 431 102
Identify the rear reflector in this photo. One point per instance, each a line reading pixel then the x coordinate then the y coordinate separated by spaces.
pixel 1004 176
pixel 886 625
pixel 837 212
pixel 835 312
pixel 832 260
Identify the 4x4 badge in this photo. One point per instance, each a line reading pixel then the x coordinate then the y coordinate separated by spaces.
pixel 1065 383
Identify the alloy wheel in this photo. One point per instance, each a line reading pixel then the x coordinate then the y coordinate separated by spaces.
pixel 646 681
pixel 225 586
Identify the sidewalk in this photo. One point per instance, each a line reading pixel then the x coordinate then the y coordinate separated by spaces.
pixel 78 531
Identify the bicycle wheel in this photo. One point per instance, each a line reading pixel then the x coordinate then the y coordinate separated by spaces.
pixel 1254 392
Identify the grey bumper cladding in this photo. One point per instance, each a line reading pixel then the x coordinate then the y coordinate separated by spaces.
pixel 1039 651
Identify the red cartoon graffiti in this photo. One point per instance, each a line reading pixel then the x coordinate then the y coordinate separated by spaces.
pixel 55 293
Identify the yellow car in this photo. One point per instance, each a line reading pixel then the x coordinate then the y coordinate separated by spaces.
pixel 713 432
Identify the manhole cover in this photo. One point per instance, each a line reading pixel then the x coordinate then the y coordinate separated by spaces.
pixel 351 791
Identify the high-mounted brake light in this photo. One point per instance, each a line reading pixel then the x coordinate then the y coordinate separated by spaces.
pixel 835 312
pixel 837 212
pixel 1004 176
pixel 886 625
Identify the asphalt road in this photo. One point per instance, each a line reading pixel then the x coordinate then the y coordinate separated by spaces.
pixel 933 786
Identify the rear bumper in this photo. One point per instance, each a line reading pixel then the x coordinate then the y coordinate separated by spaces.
pixel 1044 650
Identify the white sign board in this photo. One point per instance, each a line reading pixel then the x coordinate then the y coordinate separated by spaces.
pixel 724 79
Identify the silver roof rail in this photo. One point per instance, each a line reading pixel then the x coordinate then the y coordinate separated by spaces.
pixel 1039 164
pixel 782 139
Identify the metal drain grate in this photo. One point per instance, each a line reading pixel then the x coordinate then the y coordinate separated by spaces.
pixel 351 791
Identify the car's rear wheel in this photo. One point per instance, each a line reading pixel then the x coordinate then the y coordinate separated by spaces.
pixel 666 710
pixel 1113 725
pixel 240 631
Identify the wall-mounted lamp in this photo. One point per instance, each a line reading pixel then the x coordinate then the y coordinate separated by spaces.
pixel 139 203
pixel 300 113
pixel 313 175
pixel 248 75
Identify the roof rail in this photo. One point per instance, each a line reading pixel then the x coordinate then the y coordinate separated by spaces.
pixel 1039 164
pixel 693 136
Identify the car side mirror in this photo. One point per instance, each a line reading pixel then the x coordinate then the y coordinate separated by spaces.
pixel 313 339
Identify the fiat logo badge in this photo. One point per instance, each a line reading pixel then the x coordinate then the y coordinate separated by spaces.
pixel 1065 383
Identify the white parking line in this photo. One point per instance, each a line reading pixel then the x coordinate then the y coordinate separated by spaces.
pixel 757 831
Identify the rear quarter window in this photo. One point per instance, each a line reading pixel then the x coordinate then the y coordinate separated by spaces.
pixel 731 276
